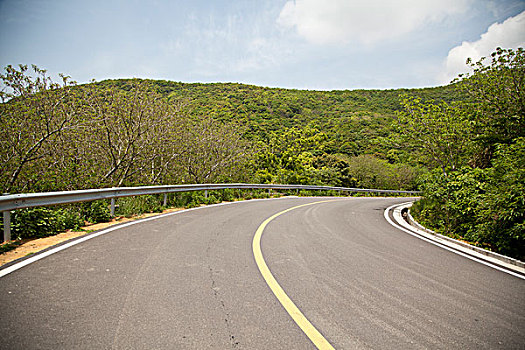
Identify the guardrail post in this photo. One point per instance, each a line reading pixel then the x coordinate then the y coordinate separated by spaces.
pixel 205 193
pixel 165 201
pixel 112 210
pixel 7 225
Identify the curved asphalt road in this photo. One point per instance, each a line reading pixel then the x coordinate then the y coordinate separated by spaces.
pixel 190 281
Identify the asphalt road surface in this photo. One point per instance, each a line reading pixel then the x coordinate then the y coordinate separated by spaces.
pixel 190 281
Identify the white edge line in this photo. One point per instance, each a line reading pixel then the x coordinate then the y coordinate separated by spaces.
pixel 38 256
pixel 387 210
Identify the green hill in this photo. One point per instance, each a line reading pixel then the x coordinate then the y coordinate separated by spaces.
pixel 353 119
pixel 133 131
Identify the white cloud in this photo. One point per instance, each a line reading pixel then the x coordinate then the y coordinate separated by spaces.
pixel 509 35
pixel 344 21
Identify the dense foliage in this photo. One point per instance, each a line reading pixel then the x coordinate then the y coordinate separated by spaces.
pixel 476 191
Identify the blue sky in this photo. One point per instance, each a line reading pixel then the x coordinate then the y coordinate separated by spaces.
pixel 304 44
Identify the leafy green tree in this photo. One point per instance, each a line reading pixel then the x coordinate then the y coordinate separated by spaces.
pixel 441 133
pixel 334 170
pixel 372 172
pixel 497 104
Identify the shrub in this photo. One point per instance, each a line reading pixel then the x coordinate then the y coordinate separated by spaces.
pixel 129 206
pixel 212 199
pixel 227 195
pixel 96 211
pixel 68 218
pixel 42 222
pixel 483 206
pixel 33 223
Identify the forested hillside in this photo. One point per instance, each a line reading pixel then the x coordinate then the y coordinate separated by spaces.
pixel 271 110
pixel 129 132
pixel 320 137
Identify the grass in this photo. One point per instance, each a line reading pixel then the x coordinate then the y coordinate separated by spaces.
pixel 9 246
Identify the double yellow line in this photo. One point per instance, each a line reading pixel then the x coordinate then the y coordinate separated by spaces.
pixel 311 332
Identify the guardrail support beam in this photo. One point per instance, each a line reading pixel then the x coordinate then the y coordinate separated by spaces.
pixel 7 225
pixel 205 193
pixel 112 209
pixel 165 201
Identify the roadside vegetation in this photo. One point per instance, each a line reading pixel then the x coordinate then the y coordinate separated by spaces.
pixel 462 144
pixel 475 151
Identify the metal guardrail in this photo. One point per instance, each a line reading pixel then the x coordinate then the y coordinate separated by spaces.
pixel 29 200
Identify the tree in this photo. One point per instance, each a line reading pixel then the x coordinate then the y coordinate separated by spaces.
pixel 372 172
pixel 212 150
pixel 497 105
pixel 137 133
pixel 35 112
pixel 441 132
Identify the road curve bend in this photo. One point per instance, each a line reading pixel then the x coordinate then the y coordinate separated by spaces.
pixel 191 281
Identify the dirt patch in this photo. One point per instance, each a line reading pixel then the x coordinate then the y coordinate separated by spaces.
pixel 31 246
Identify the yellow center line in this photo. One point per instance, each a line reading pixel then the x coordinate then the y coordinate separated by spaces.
pixel 311 332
